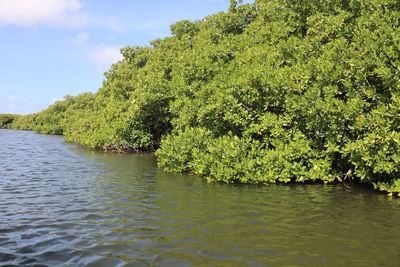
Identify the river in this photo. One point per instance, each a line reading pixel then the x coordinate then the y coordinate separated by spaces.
pixel 64 205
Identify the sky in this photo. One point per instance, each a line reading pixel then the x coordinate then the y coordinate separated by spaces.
pixel 53 48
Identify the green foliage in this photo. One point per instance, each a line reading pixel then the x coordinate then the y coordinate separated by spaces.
pixel 301 91
pixel 230 158
pixel 274 91
pixel 391 187
pixel 184 27
pixel 6 120
pixel 48 121
pixel 52 119
pixel 179 152
pixel 25 122
pixel 234 4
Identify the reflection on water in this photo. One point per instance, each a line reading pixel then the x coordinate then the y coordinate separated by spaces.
pixel 62 205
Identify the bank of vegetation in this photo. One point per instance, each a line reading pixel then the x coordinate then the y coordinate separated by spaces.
pixel 273 91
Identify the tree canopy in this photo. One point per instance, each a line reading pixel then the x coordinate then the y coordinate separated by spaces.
pixel 273 91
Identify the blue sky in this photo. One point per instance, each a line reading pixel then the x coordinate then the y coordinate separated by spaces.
pixel 51 48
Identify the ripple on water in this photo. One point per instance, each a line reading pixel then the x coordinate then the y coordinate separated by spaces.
pixel 62 205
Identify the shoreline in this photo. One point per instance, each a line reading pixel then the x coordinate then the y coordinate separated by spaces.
pixel 351 183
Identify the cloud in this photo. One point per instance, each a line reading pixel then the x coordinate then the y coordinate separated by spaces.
pixel 59 13
pixel 111 23
pixel 104 57
pixel 114 24
pixel 101 55
pixel 81 39
pixel 11 104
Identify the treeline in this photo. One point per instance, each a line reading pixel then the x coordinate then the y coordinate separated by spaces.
pixel 274 91
pixel 6 120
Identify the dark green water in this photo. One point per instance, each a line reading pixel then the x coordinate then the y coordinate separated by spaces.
pixel 62 205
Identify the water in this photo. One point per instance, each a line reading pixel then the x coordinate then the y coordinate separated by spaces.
pixel 63 205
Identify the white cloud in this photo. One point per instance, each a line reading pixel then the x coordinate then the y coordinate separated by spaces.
pixel 110 23
pixel 81 39
pixel 114 24
pixel 11 104
pixel 104 57
pixel 61 13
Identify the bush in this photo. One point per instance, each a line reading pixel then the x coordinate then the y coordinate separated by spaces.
pixel 6 120
pixel 274 91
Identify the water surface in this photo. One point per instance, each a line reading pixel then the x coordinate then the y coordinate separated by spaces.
pixel 63 205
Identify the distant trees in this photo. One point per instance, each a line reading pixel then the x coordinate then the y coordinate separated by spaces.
pixel 6 120
pixel 274 91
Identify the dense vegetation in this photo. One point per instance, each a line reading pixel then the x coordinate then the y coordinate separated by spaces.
pixel 6 120
pixel 274 91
